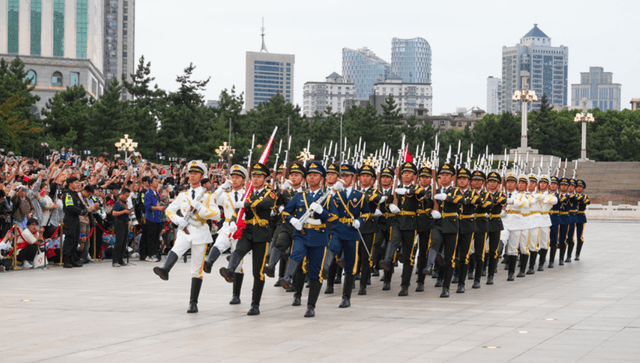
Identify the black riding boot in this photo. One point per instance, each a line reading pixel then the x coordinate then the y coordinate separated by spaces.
pixel 258 286
pixel 513 260
pixel 552 255
pixel 227 272
pixel 563 248
pixel 211 259
pixel 523 264
pixel 314 292
pixel 478 273
pixel 287 280
pixel 270 269
pixel 346 290
pixel 237 286
pixel 163 272
pixel 542 259
pixel 532 263
pixel 196 284
pixel 386 263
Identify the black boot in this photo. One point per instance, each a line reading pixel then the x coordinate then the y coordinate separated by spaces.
pixel 489 280
pixel 237 286
pixel 562 251
pixel 258 286
pixel 478 273
pixel 542 259
pixel 326 268
pixel 523 264
pixel 445 292
pixel 386 263
pixel 552 255
pixel 346 290
pixel 314 291
pixel 163 272
pixel 471 266
pixel 532 263
pixel 569 252
pixel 513 260
pixel 363 289
pixel 287 280
pixel 578 250
pixel 211 259
pixel 420 287
pixel 196 284
pixel 270 269
pixel 404 291
pixel 227 272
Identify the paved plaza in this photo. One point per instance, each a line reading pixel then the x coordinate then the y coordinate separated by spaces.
pixel 586 311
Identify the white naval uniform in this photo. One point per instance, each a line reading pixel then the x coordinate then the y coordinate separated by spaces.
pixel 524 200
pixel 534 221
pixel 225 240
pixel 515 222
pixel 199 234
pixel 546 201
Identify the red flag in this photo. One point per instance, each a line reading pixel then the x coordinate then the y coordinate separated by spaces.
pixel 407 155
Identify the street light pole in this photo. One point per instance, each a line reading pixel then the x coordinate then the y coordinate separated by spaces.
pixel 583 118
pixel 525 96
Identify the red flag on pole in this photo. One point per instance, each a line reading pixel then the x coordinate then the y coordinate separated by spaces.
pixel 407 155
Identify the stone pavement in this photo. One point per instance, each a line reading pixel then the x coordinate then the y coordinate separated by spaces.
pixel 586 311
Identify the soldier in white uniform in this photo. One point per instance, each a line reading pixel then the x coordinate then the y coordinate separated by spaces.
pixel 546 200
pixel 227 196
pixel 534 222
pixel 521 203
pixel 514 224
pixel 193 231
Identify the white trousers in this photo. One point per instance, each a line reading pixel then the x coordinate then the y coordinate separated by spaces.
pixel 534 239
pixel 223 242
pixel 543 238
pixel 197 254
pixel 513 241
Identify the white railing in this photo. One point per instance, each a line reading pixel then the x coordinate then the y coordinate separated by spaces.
pixel 610 211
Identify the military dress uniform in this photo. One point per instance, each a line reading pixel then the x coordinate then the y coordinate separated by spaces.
pixel 369 229
pixel 573 219
pixel 554 217
pixel 334 272
pixel 425 223
pixel 466 224
pixel 345 237
pixel 228 199
pixel 534 225
pixel 515 225
pixel 311 239
pixel 565 200
pixel 446 228
pixel 544 202
pixel 495 226
pixel 583 202
pixel 482 212
pixel 193 232
pixel 387 221
pixel 255 237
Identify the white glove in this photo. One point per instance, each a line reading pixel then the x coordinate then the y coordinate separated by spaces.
pixel 273 213
pixel 356 224
pixel 377 213
pixel 435 214
pixel 316 207
pixel 226 185
pixel 401 191
pixel 181 222
pixel 382 199
pixel 238 205
pixel 503 214
pixel 533 202
pixel 286 185
pixel 509 200
pixel 281 208
pixel 338 186
pixel 232 227
pixel 295 222
pixel 394 208
pixel 196 205
pixel 440 196
pixel 486 215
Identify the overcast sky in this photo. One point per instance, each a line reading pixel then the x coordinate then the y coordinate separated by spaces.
pixel 466 39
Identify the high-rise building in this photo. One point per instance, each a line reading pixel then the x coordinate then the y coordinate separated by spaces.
pixel 119 41
pixel 268 74
pixel 408 96
pixel 494 91
pixel 547 65
pixel 333 93
pixel 60 42
pixel 598 88
pixel 411 60
pixel 363 68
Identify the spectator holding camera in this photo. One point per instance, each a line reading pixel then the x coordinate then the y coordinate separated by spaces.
pixel 22 207
pixel 32 235
pixel 121 212
pixel 153 213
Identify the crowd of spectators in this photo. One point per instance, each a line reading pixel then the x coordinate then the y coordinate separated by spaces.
pixel 122 215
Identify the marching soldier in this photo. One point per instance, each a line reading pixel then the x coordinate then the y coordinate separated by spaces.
pixel 386 222
pixel 546 202
pixel 334 273
pixel 565 206
pixel 425 223
pixel 227 196
pixel 522 204
pixel 482 210
pixel 193 231
pixel 311 239
pixel 583 202
pixel 369 229
pixel 573 218
pixel 514 223
pixel 466 227
pixel 535 222
pixel 495 222
pixel 257 234
pixel 554 216
pixel 446 227
pixel 350 207
pixel 405 234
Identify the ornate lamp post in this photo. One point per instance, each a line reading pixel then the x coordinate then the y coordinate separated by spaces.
pixel 126 145
pixel 584 117
pixel 525 96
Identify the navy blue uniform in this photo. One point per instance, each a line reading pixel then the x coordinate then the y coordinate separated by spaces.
pixel 344 237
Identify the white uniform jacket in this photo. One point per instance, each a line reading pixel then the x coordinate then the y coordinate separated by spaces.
pixel 198 228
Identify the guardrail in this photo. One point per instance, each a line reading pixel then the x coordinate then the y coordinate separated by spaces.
pixel 610 211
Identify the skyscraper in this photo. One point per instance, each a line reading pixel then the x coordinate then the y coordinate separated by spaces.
pixel 494 91
pixel 547 65
pixel 331 93
pixel 268 74
pixel 598 88
pixel 411 60
pixel 60 42
pixel 363 68
pixel 119 41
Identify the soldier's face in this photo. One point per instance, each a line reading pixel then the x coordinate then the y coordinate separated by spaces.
pixel 463 182
pixel 366 180
pixel 385 181
pixel 571 188
pixel 313 179
pixel 424 181
pixel 532 186
pixel 296 179
pixel 445 179
pixel 347 180
pixel 476 184
pixel 553 187
pixel 522 186
pixel 407 177
pixel 563 188
pixel 332 178
pixel 258 181
pixel 237 181
pixel 492 185
pixel 579 189
pixel 543 186
pixel 195 177
pixel 511 185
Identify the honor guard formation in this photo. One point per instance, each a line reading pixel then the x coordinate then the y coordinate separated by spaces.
pixel 351 221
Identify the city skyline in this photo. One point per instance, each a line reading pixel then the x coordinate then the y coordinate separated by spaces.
pixel 464 52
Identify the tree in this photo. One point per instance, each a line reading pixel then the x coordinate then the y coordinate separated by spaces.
pixel 12 129
pixel 110 118
pixel 67 115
